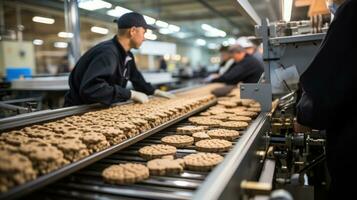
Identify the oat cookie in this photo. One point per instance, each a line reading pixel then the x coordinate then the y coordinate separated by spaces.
pixel 200 136
pixel 247 113
pixel 213 145
pixel 202 161
pixel 164 166
pixel 224 134
pixel 125 173
pixel 189 130
pixel 240 118
pixel 236 125
pixel 156 151
pixel 178 141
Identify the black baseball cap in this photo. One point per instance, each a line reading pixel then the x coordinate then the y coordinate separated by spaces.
pixel 131 19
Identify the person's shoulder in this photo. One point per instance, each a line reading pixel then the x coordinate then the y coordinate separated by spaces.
pixel 106 47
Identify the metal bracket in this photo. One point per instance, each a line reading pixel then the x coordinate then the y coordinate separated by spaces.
pixel 260 92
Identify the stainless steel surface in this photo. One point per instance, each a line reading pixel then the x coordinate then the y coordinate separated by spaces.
pixel 248 11
pixel 241 163
pixel 260 92
pixel 297 38
pixel 70 168
pixel 73 26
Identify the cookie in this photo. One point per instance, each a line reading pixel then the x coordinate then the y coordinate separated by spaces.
pixel 240 118
pixel 213 145
pixel 236 125
pixel 227 104
pixel 164 166
pixel 247 114
pixel 125 173
pixel 223 134
pixel 156 151
pixel 94 141
pixel 254 109
pixel 202 161
pixel 189 130
pixel 178 141
pixel 200 136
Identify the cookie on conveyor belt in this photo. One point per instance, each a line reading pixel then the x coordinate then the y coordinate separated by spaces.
pixel 202 161
pixel 200 136
pixel 254 109
pixel 156 151
pixel 44 157
pixel 224 134
pixel 240 118
pixel 189 130
pixel 73 149
pixel 178 141
pixel 15 169
pixel 213 145
pixel 125 173
pixel 94 141
pixel 204 121
pixel 165 166
pixel 235 125
pixel 247 113
pixel 227 104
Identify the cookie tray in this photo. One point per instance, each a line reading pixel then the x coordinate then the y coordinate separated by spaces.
pixel 41 181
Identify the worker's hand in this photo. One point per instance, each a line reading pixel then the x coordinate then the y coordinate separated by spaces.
pixel 164 94
pixel 139 96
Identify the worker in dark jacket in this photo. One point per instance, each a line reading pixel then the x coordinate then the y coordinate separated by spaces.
pixel 246 68
pixel 328 101
pixel 102 73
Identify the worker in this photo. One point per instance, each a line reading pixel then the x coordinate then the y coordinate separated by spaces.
pixel 328 101
pixel 226 62
pixel 250 47
pixel 246 68
pixel 102 73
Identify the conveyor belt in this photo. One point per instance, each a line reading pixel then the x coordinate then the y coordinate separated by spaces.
pixel 88 183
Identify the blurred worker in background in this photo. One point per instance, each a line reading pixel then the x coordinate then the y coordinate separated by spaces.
pixel 226 62
pixel 102 73
pixel 250 47
pixel 246 68
pixel 328 85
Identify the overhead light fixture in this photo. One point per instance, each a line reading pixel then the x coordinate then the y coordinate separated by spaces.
pixel 225 43
pixel 182 35
pixel 149 20
pixel 65 35
pixel 174 28
pixel 100 30
pixel 44 20
pixel 231 41
pixel 162 24
pixel 287 7
pixel 200 42
pixel 37 42
pixel 93 4
pixel 213 46
pixel 150 36
pixel 61 45
pixel 212 31
pixel 165 31
pixel 118 11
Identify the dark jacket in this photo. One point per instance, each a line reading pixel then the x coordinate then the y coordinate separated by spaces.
pixel 328 100
pixel 101 75
pixel 248 70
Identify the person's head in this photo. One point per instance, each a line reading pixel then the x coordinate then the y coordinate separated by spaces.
pixel 225 54
pixel 238 52
pixel 247 44
pixel 132 26
pixel 332 5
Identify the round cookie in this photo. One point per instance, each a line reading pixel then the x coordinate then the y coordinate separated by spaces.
pixel 200 136
pixel 240 118
pixel 178 141
pixel 202 161
pixel 156 151
pixel 164 166
pixel 234 125
pixel 125 173
pixel 213 145
pixel 189 130
pixel 224 134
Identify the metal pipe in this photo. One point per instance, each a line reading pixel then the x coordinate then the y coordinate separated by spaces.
pixel 72 15
pixel 248 11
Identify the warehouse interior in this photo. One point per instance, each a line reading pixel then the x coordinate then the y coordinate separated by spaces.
pixel 210 108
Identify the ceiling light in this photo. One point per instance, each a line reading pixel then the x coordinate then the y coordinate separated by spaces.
pixel 150 36
pixel 165 31
pixel 100 30
pixel 43 20
pixel 161 24
pixel 61 45
pixel 65 34
pixel 212 31
pixel 93 4
pixel 149 20
pixel 37 42
pixel 182 35
pixel 201 42
pixel 212 46
pixel 118 11
pixel 287 8
pixel 174 28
